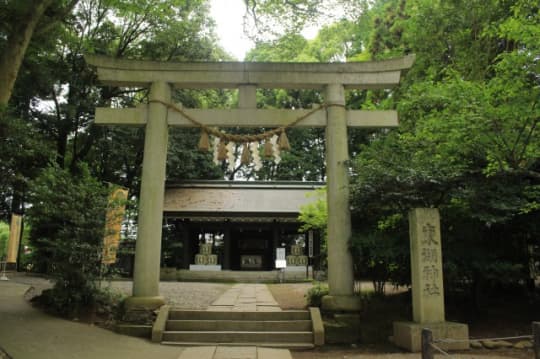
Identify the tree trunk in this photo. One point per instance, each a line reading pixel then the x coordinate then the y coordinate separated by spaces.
pixel 61 147
pixel 17 43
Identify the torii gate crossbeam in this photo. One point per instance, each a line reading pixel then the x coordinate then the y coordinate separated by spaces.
pixel 333 79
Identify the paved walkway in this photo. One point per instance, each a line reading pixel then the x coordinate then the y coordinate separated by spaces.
pixel 234 353
pixel 28 333
pixel 246 298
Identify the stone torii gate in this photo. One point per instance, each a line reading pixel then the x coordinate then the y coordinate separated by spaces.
pixel 332 78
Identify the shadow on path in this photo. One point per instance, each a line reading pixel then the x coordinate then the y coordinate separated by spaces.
pixel 26 332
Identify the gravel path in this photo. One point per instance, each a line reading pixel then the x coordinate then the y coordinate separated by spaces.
pixel 184 295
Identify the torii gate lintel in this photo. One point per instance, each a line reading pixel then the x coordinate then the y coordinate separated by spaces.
pixel 244 117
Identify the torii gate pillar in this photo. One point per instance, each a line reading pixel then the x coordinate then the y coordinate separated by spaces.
pixel 148 246
pixel 340 265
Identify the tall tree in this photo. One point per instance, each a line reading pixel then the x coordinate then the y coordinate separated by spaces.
pixel 55 94
pixel 468 141
pixel 157 29
pixel 270 19
pixel 19 21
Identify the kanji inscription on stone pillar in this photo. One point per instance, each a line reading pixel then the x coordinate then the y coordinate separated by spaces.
pixel 426 265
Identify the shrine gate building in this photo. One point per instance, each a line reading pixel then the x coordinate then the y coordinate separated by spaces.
pixel 243 222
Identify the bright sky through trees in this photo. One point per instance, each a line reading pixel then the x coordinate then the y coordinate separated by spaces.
pixel 228 15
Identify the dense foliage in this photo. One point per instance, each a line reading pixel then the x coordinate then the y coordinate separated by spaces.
pixel 54 161
pixel 4 236
pixel 468 141
pixel 67 226
pixel 52 107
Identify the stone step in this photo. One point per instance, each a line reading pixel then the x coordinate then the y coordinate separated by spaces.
pixel 239 325
pixel 177 314
pixel 229 352
pixel 228 276
pixel 293 346
pixel 237 337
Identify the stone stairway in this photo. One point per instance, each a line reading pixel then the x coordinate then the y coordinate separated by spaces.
pixel 284 329
pixel 245 315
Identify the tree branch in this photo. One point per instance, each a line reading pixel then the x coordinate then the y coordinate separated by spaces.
pixel 528 140
pixel 15 47
pixel 49 22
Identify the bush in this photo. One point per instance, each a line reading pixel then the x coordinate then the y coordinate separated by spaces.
pixel 314 295
pixel 103 302
pixel 67 226
pixel 314 216
pixel 4 235
pixel 382 258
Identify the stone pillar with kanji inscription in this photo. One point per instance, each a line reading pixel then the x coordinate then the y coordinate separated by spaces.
pixel 426 266
pixel 427 286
